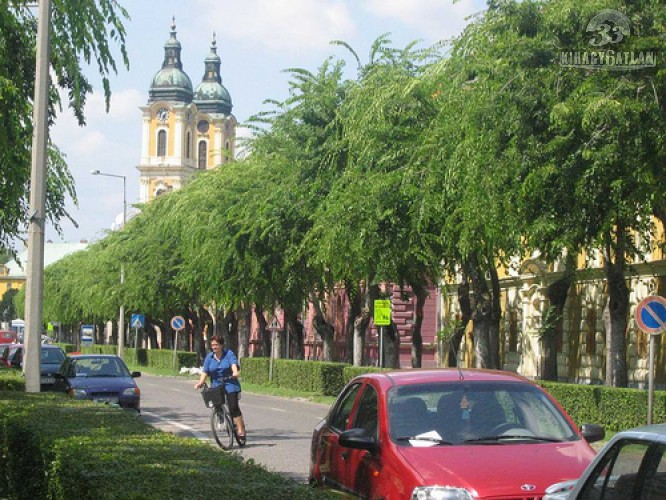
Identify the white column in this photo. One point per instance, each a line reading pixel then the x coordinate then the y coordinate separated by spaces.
pixel 145 140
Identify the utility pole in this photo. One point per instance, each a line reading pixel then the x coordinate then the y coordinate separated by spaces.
pixel 35 264
pixel 121 315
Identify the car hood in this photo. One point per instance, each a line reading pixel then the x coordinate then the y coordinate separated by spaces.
pixel 102 384
pixel 500 470
pixel 49 368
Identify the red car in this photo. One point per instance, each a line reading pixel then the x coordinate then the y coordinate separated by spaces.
pixel 7 337
pixel 447 434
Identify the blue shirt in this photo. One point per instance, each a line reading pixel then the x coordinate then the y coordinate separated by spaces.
pixel 217 370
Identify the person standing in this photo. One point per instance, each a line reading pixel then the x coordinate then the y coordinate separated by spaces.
pixel 219 364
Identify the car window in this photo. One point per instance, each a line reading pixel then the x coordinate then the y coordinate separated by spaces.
pixel 655 485
pixel 340 415
pixel 366 415
pixel 52 356
pixel 467 412
pixel 614 477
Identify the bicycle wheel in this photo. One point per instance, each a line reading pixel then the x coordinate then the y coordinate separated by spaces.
pixel 220 423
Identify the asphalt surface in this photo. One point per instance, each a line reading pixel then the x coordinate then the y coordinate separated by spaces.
pixel 279 430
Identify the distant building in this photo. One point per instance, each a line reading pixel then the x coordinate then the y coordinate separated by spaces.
pixel 13 273
pixel 185 129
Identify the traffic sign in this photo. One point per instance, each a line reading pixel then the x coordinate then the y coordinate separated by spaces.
pixel 274 325
pixel 177 323
pixel 650 314
pixel 382 316
pixel 138 321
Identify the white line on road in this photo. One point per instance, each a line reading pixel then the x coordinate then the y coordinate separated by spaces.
pixel 194 432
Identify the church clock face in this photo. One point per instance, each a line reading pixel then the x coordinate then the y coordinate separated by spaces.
pixel 202 126
pixel 162 114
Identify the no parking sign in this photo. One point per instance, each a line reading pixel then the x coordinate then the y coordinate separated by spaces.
pixel 650 315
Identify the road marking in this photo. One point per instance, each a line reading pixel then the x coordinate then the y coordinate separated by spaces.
pixel 194 432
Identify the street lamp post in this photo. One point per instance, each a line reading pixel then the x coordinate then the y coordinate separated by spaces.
pixel 121 318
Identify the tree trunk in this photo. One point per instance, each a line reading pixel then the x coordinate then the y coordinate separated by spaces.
pixel 421 294
pixel 618 303
pixel 481 304
pixel 231 324
pixel 465 317
pixel 323 328
pixel 495 318
pixel 264 334
pixel 244 331
pixel 556 293
pixel 355 295
pixel 296 334
pixel 361 324
pixel 391 345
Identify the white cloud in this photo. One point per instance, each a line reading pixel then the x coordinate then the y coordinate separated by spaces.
pixel 281 24
pixel 435 19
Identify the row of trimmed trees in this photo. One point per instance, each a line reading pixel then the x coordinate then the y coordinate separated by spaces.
pixel 426 163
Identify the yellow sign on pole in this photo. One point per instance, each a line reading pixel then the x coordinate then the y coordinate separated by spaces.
pixel 382 316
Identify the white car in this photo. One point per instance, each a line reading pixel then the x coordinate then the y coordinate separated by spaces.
pixel 631 465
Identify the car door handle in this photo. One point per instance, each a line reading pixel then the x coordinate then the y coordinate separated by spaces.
pixel 344 455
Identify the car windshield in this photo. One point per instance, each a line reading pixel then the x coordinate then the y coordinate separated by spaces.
pixel 474 413
pixel 52 356
pixel 97 367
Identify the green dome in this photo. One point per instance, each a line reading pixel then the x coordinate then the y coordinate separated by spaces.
pixel 210 95
pixel 171 83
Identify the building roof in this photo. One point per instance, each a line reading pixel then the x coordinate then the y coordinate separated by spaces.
pixel 53 252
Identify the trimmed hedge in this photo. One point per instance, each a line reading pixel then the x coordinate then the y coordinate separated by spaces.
pixel 156 358
pixel 78 449
pixel 613 407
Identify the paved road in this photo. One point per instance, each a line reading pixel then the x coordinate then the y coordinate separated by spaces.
pixel 278 430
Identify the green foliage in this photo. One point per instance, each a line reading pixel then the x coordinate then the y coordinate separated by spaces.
pixel 614 408
pixel 81 32
pixel 75 449
pixel 11 380
pixel 256 370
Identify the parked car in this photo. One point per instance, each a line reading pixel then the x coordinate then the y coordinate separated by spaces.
pixel 51 357
pixel 7 337
pixel 447 434
pixel 103 378
pixel 631 465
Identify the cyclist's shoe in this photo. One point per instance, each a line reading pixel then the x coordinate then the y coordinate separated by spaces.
pixel 242 439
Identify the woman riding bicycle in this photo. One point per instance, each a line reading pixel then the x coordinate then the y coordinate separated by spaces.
pixel 219 365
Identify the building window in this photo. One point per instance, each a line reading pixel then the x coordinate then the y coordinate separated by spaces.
pixel 161 143
pixel 591 334
pixel 203 154
pixel 188 145
pixel 513 331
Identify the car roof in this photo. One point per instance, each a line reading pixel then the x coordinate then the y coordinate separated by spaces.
pixel 43 346
pixel 427 376
pixel 88 356
pixel 655 432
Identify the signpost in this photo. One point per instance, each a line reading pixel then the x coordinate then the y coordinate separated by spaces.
pixel 382 318
pixel 273 327
pixel 650 315
pixel 177 323
pixel 138 321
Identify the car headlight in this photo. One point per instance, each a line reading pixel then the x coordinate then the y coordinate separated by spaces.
pixel 78 393
pixel 440 493
pixel 131 391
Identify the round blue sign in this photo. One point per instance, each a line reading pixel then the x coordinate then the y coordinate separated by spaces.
pixel 177 322
pixel 651 314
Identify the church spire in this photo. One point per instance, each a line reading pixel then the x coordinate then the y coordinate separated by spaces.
pixel 171 83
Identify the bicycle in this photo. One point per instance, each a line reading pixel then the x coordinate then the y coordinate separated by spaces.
pixel 221 423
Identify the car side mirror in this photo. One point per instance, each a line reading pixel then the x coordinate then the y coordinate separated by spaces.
pixel 357 439
pixel 136 374
pixel 592 432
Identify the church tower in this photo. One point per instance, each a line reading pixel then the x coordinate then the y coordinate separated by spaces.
pixel 184 130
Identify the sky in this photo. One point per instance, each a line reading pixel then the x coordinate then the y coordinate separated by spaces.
pixel 257 40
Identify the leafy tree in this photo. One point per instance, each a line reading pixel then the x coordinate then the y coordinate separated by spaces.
pixel 81 31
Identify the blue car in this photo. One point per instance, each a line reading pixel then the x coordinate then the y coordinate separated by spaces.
pixel 103 378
